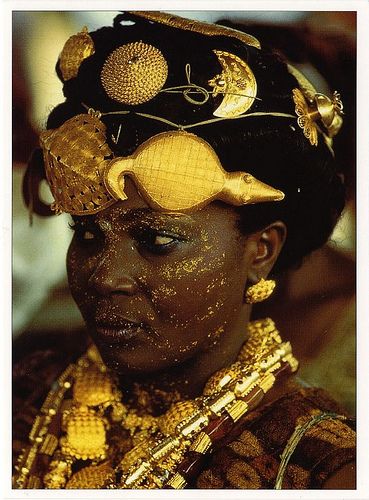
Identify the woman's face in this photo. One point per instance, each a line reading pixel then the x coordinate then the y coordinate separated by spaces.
pixel 158 289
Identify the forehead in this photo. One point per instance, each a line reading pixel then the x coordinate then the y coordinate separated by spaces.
pixel 135 209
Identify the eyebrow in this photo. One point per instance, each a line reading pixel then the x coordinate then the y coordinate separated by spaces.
pixel 135 214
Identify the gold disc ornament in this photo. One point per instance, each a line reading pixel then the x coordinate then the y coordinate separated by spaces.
pixel 134 73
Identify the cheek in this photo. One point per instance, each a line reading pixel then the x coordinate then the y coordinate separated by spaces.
pixel 198 290
pixel 79 268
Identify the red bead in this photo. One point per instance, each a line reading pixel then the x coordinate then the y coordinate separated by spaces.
pixel 191 465
pixel 219 427
pixel 254 397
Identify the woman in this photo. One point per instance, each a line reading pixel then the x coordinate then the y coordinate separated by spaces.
pixel 193 163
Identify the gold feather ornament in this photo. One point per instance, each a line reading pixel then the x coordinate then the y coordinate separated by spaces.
pixel 306 117
pixel 76 49
pixel 316 112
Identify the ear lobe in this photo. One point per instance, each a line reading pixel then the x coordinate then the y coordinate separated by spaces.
pixel 269 242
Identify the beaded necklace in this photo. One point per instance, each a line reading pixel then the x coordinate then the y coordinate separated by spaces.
pixel 86 436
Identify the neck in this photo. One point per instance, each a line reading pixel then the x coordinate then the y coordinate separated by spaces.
pixel 156 392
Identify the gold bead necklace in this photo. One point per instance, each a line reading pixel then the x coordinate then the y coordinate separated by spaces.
pixel 88 437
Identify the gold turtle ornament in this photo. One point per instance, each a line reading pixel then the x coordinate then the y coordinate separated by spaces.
pixel 179 171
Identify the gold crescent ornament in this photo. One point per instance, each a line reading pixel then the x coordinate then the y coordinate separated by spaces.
pixel 236 82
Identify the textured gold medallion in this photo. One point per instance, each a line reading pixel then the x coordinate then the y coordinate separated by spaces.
pixel 85 435
pixel 134 73
pixel 93 387
pixel 91 477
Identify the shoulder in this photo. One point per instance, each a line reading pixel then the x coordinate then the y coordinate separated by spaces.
pixel 300 441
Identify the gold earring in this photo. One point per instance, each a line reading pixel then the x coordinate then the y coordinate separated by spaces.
pixel 260 291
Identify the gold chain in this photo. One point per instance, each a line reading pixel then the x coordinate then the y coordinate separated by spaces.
pixel 91 451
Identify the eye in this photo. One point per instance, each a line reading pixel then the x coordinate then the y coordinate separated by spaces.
pixel 83 233
pixel 87 235
pixel 158 243
pixel 163 240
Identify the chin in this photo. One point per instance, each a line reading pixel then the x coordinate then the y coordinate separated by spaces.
pixel 134 361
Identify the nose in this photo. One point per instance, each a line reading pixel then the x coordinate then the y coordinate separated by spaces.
pixel 111 277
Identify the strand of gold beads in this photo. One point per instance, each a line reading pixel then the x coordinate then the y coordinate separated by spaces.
pixel 167 450
pixel 227 396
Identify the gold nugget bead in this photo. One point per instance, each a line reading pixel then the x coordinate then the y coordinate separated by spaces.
pixel 56 478
pixel 176 414
pixel 177 482
pixel 202 443
pixel 246 383
pixel 119 411
pixel 237 409
pixel 219 403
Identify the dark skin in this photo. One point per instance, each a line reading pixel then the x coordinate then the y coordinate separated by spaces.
pixel 181 280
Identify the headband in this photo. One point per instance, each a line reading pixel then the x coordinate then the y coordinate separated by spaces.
pixel 175 170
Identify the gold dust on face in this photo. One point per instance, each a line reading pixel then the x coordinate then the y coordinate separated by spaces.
pixel 218 281
pixel 182 268
pixel 181 293
pixel 163 291
pixel 212 309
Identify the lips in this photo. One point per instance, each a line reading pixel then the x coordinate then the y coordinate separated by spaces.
pixel 119 331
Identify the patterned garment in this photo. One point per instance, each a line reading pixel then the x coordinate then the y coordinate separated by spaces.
pixel 252 457
pixel 302 438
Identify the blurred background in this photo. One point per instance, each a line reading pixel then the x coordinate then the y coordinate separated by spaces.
pixel 323 46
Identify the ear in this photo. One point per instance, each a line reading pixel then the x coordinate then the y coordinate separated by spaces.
pixel 268 242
